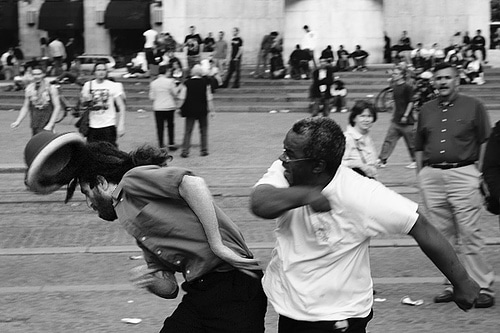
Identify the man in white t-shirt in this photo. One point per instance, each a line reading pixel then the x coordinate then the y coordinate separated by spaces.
pixel 309 43
pixel 106 123
pixel 150 36
pixel 319 274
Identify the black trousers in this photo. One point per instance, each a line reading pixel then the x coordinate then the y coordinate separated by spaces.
pixel 354 325
pixel 234 67
pixel 226 302
pixel 107 134
pixel 161 117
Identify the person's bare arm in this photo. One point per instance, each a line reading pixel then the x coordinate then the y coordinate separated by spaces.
pixel 56 103
pixel 120 126
pixel 22 114
pixel 161 283
pixel 197 195
pixel 441 253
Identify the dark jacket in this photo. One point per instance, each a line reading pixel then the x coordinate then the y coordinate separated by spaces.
pixel 491 165
pixel 315 91
pixel 195 104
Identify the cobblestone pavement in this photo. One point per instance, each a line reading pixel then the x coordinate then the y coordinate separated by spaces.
pixel 62 268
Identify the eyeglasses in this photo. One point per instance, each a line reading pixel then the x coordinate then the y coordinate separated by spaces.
pixel 286 159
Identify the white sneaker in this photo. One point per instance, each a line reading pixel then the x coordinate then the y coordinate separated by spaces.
pixel 412 165
pixel 380 164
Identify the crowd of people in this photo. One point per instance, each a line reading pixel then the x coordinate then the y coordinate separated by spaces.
pixel 322 189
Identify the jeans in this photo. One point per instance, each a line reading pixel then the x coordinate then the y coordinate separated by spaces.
pixel 188 131
pixel 395 132
pixel 320 104
pixel 160 117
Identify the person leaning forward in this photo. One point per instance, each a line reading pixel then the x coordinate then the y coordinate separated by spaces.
pixel 451 137
pixel 319 273
pixel 174 220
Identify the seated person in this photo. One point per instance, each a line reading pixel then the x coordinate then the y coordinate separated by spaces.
pixel 343 59
pixel 339 94
pixel 72 74
pixel 278 70
pixel 328 54
pixel 211 73
pixel 138 65
pixel 436 54
pixel 474 70
pixel 419 58
pixel 299 63
pixel 177 72
pixel 359 57
pixel 22 80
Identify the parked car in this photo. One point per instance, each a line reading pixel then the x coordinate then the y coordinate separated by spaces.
pixel 89 60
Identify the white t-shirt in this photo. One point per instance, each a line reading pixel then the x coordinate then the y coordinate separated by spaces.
pixel 103 97
pixel 150 36
pixel 320 267
pixel 309 41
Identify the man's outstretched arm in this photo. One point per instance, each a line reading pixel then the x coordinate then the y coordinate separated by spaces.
pixel 269 202
pixel 442 254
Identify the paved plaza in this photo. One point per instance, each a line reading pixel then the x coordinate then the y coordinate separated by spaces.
pixel 63 269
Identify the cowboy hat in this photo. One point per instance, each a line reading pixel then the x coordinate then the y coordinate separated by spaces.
pixel 52 160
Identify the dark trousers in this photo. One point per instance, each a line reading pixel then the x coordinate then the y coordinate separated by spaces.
pixel 107 134
pixel 188 131
pixel 395 132
pixel 161 117
pixel 354 325
pixel 482 49
pixel 220 303
pixel 234 67
pixel 320 104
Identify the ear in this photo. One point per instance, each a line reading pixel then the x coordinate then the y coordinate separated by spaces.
pixel 320 167
pixel 102 182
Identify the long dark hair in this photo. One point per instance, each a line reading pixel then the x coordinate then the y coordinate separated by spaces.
pixel 104 159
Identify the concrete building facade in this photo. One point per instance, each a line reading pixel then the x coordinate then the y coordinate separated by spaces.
pixel 347 22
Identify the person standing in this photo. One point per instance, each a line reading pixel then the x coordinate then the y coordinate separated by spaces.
pixel 402 122
pixel 150 37
pixel 450 140
pixel 235 62
pixel 70 53
pixel 387 49
pixel 164 93
pixel 318 278
pixel 197 102
pixel 106 123
pixel 220 53
pixel 491 170
pixel 320 95
pixel 41 100
pixel 208 43
pixel 360 152
pixel 57 52
pixel 478 43
pixel 193 43
pixel 309 43
pixel 263 56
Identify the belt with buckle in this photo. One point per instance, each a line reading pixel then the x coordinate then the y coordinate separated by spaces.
pixel 445 165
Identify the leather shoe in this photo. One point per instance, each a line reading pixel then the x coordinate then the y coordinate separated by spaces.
pixel 484 301
pixel 445 297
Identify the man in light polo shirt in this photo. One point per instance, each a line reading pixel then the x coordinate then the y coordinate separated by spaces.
pixel 319 276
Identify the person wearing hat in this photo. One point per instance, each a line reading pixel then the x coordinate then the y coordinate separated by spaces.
pixel 197 102
pixel 41 100
pixel 174 220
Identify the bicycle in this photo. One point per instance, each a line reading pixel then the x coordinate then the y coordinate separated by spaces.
pixel 66 106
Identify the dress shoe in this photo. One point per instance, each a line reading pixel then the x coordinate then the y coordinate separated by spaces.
pixel 204 153
pixel 184 154
pixel 172 147
pixel 445 297
pixel 484 301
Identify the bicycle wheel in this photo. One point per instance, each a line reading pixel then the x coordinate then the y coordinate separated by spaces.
pixel 384 102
